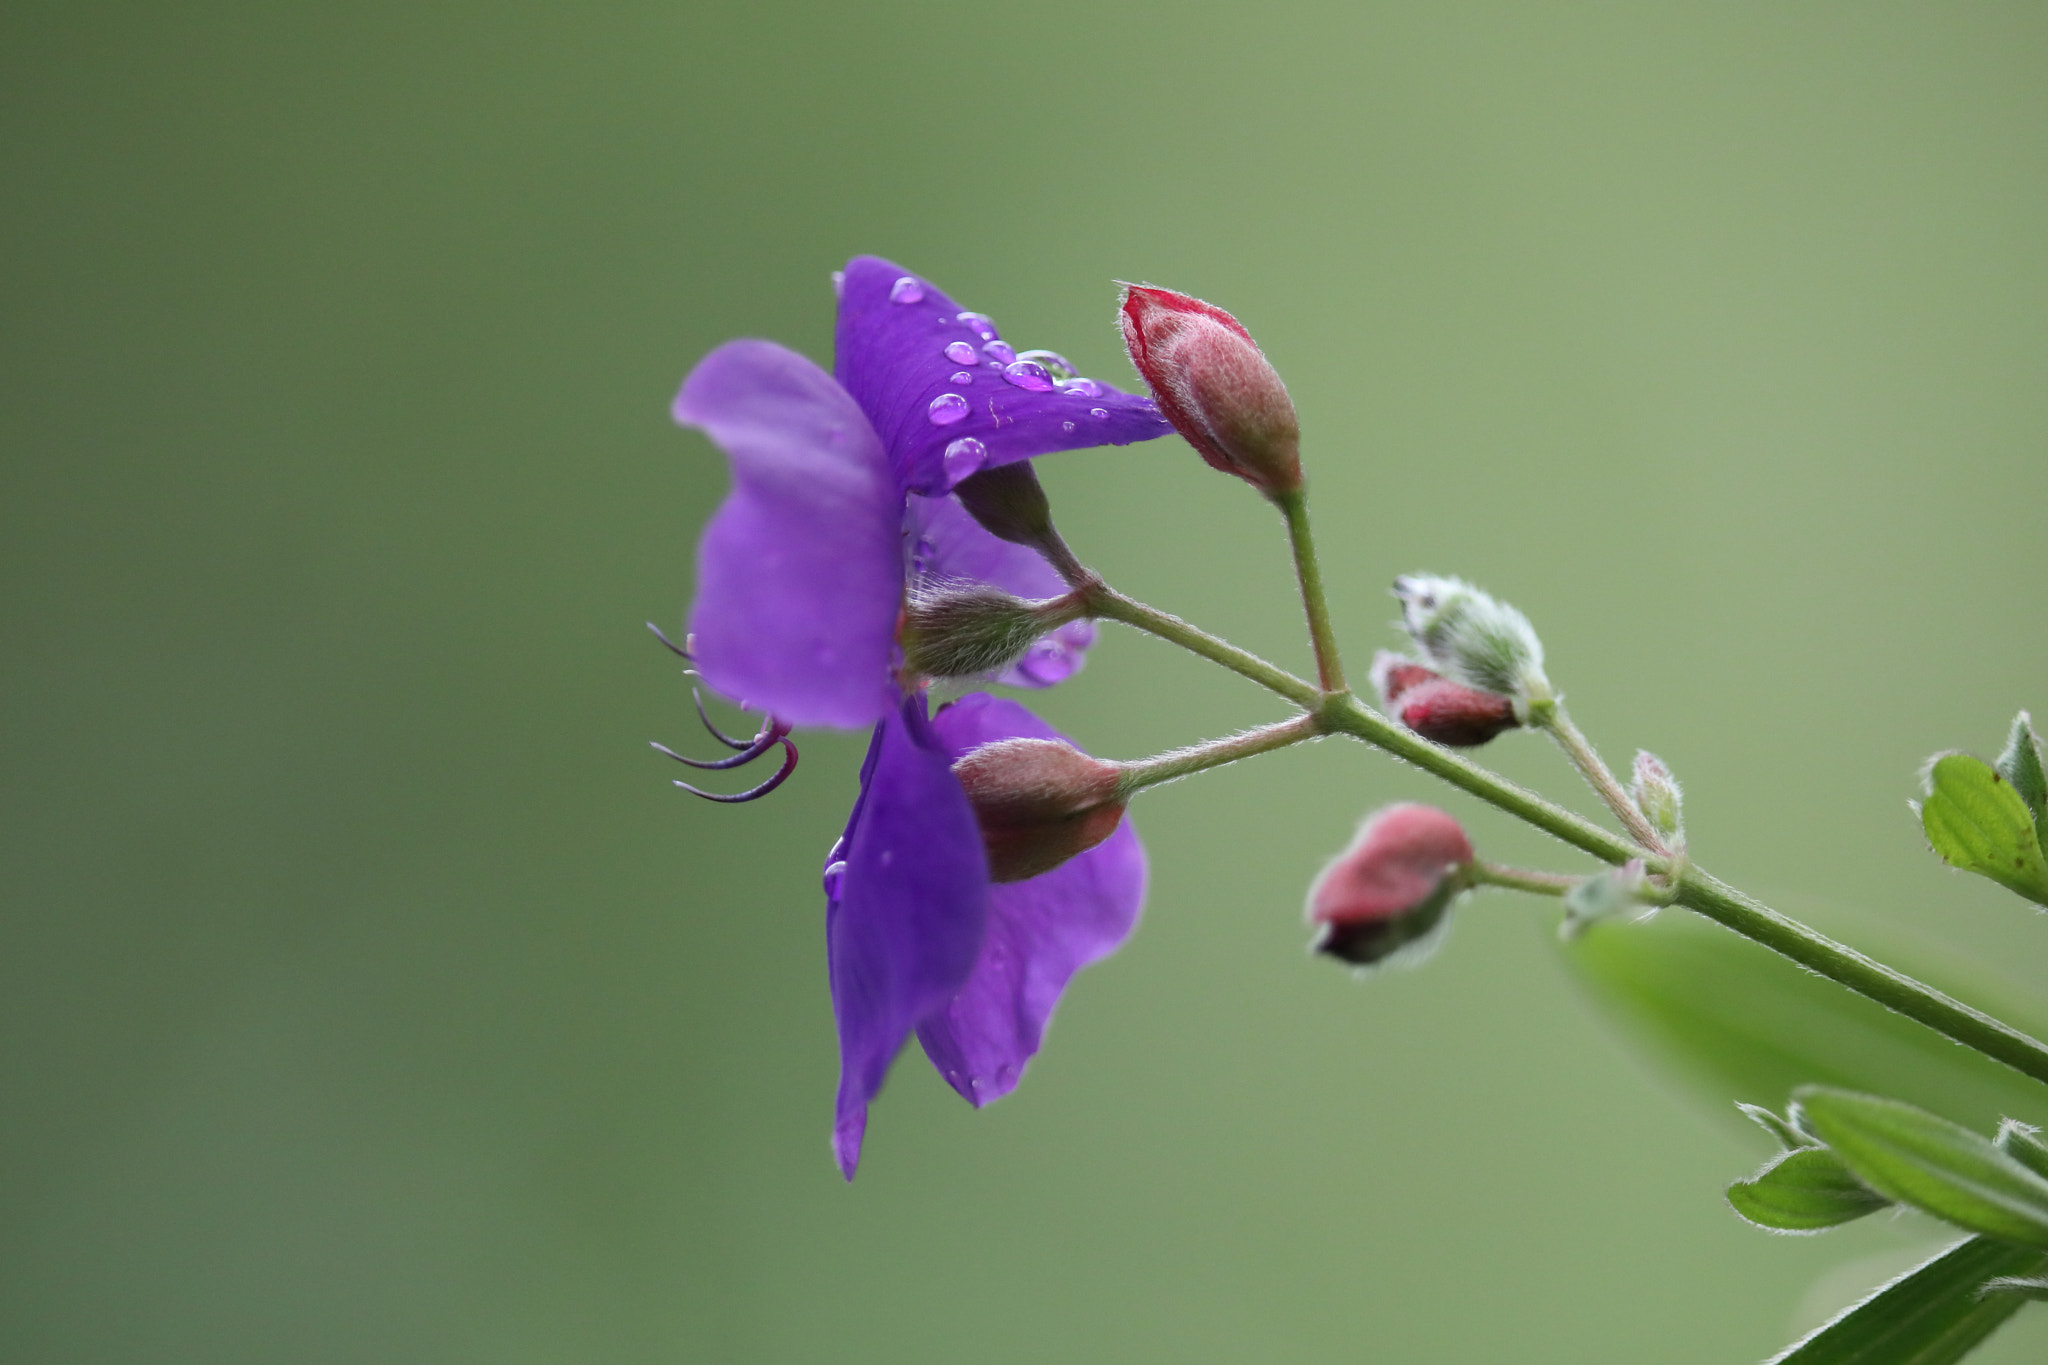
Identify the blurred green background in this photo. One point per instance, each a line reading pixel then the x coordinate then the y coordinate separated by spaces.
pixel 369 995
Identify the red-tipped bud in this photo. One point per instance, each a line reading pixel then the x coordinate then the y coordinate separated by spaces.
pixel 1392 886
pixel 1212 382
pixel 1039 802
pixel 1436 708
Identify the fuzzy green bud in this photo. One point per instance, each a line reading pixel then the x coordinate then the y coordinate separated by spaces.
pixel 966 630
pixel 1656 794
pixel 1472 637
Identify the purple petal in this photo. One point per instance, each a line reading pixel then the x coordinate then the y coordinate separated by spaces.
pixel 952 544
pixel 1040 932
pixel 800 573
pixel 891 351
pixel 904 916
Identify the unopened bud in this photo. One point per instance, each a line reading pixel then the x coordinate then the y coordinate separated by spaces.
pixel 1038 802
pixel 1656 794
pixel 1216 387
pixel 1392 887
pixel 1473 637
pixel 1438 709
pixel 966 630
pixel 1009 504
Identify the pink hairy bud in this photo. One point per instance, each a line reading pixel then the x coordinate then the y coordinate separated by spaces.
pixel 1437 708
pixel 1038 802
pixel 1216 387
pixel 1392 886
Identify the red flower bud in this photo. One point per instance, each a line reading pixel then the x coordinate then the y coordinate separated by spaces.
pixel 1216 387
pixel 1392 886
pixel 1038 802
pixel 1437 708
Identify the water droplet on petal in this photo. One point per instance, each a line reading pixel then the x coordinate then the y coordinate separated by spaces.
pixel 961 377
pixel 1098 413
pixel 907 290
pixel 835 873
pixel 1056 364
pixel 1084 388
pixel 982 325
pixel 998 351
pixel 963 457
pixel 838 283
pixel 960 352
pixel 948 408
pixel 1066 426
pixel 1026 374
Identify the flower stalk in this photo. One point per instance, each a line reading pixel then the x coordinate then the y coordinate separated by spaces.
pixel 1551 717
pixel 1293 505
pixel 1181 763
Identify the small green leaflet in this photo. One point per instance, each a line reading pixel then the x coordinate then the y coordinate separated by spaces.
pixel 2020 765
pixel 1804 1191
pixel 1917 1158
pixel 1976 821
pixel 1934 1315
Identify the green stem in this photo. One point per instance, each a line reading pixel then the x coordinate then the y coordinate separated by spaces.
pixel 1895 991
pixel 1353 717
pixel 1182 762
pixel 1598 775
pixel 1329 668
pixel 1105 601
pixel 1697 891
pixel 1520 879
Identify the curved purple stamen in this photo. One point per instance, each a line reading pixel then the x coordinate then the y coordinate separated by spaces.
pixel 752 793
pixel 756 746
pixel 772 733
pixel 673 647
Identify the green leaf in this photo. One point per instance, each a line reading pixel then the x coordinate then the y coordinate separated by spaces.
pixel 1977 822
pixel 1738 1023
pixel 1918 1158
pixel 1804 1191
pixel 2022 1142
pixel 1934 1315
pixel 1787 1134
pixel 2020 765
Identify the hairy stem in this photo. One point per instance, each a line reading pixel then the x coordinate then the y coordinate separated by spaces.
pixel 1483 873
pixel 1329 668
pixel 1198 758
pixel 1344 713
pixel 1353 717
pixel 1598 775
pixel 1723 904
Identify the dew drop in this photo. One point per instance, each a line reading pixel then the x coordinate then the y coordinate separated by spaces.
pixel 907 290
pixel 961 377
pixel 963 457
pixel 1099 414
pixel 1025 374
pixel 1066 426
pixel 838 283
pixel 835 873
pixel 1056 364
pixel 1085 388
pixel 998 351
pixel 981 324
pixel 949 408
pixel 960 352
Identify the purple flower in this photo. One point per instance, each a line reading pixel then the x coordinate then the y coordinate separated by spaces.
pixel 841 497
pixel 917 936
pixel 841 489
